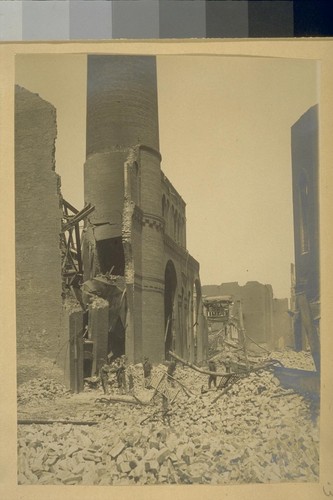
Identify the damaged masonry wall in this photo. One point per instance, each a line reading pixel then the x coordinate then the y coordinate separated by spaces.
pixel 37 225
pixel 138 228
pixel 128 235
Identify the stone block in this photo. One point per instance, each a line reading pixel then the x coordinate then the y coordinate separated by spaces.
pixel 124 467
pixel 117 450
pixel 73 449
pixel 72 479
pixel 138 471
pixel 152 466
pixel 162 455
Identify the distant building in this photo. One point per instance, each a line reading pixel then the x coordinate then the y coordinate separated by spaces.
pixel 218 311
pixel 266 320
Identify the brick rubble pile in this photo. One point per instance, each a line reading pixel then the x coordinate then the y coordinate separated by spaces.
pixel 256 432
pixel 40 389
pixel 291 359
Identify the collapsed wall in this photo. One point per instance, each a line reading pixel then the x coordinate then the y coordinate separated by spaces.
pixel 37 225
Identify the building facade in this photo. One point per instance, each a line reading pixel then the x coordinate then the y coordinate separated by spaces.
pixel 305 156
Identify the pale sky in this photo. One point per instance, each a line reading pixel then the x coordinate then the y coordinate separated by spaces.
pixel 225 144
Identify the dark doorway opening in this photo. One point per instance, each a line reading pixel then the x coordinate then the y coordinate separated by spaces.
pixel 111 256
pixel 116 342
pixel 88 358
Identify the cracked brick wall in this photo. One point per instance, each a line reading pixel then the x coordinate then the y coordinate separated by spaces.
pixel 37 225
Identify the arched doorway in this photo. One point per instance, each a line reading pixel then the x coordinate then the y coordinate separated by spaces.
pixel 170 287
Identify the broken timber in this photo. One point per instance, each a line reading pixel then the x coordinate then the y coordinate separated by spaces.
pixel 200 370
pixel 122 399
pixel 47 422
pixel 72 265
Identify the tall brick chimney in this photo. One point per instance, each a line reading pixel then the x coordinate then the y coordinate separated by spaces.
pixel 122 173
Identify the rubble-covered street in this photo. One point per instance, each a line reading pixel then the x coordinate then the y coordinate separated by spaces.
pixel 256 432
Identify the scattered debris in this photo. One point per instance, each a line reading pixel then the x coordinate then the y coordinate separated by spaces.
pixel 255 432
pixel 40 389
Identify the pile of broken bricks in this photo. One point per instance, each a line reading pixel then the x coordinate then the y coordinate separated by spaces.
pixel 256 432
pixel 299 360
pixel 40 389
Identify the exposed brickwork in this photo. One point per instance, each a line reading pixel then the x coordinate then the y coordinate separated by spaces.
pixel 122 116
pixel 104 186
pixel 37 225
pixel 121 110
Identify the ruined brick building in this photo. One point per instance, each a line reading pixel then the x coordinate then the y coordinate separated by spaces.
pixel 138 228
pixel 266 319
pixel 133 243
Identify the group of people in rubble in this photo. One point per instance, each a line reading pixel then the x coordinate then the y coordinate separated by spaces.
pixel 125 376
pixel 123 373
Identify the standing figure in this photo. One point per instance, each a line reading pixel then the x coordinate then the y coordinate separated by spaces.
pixel 147 368
pixel 104 375
pixel 212 378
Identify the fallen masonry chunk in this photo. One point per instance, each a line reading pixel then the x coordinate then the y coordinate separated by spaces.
pixel 117 449
pixel 91 457
pixel 138 471
pixel 162 455
pixel 151 454
pixel 153 443
pixel 152 466
pixel 124 467
pixel 73 449
pixel 78 469
pixel 52 460
pixel 72 479
pixel 62 475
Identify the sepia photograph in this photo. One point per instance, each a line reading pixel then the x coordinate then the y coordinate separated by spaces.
pixel 167 269
pixel 166 273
